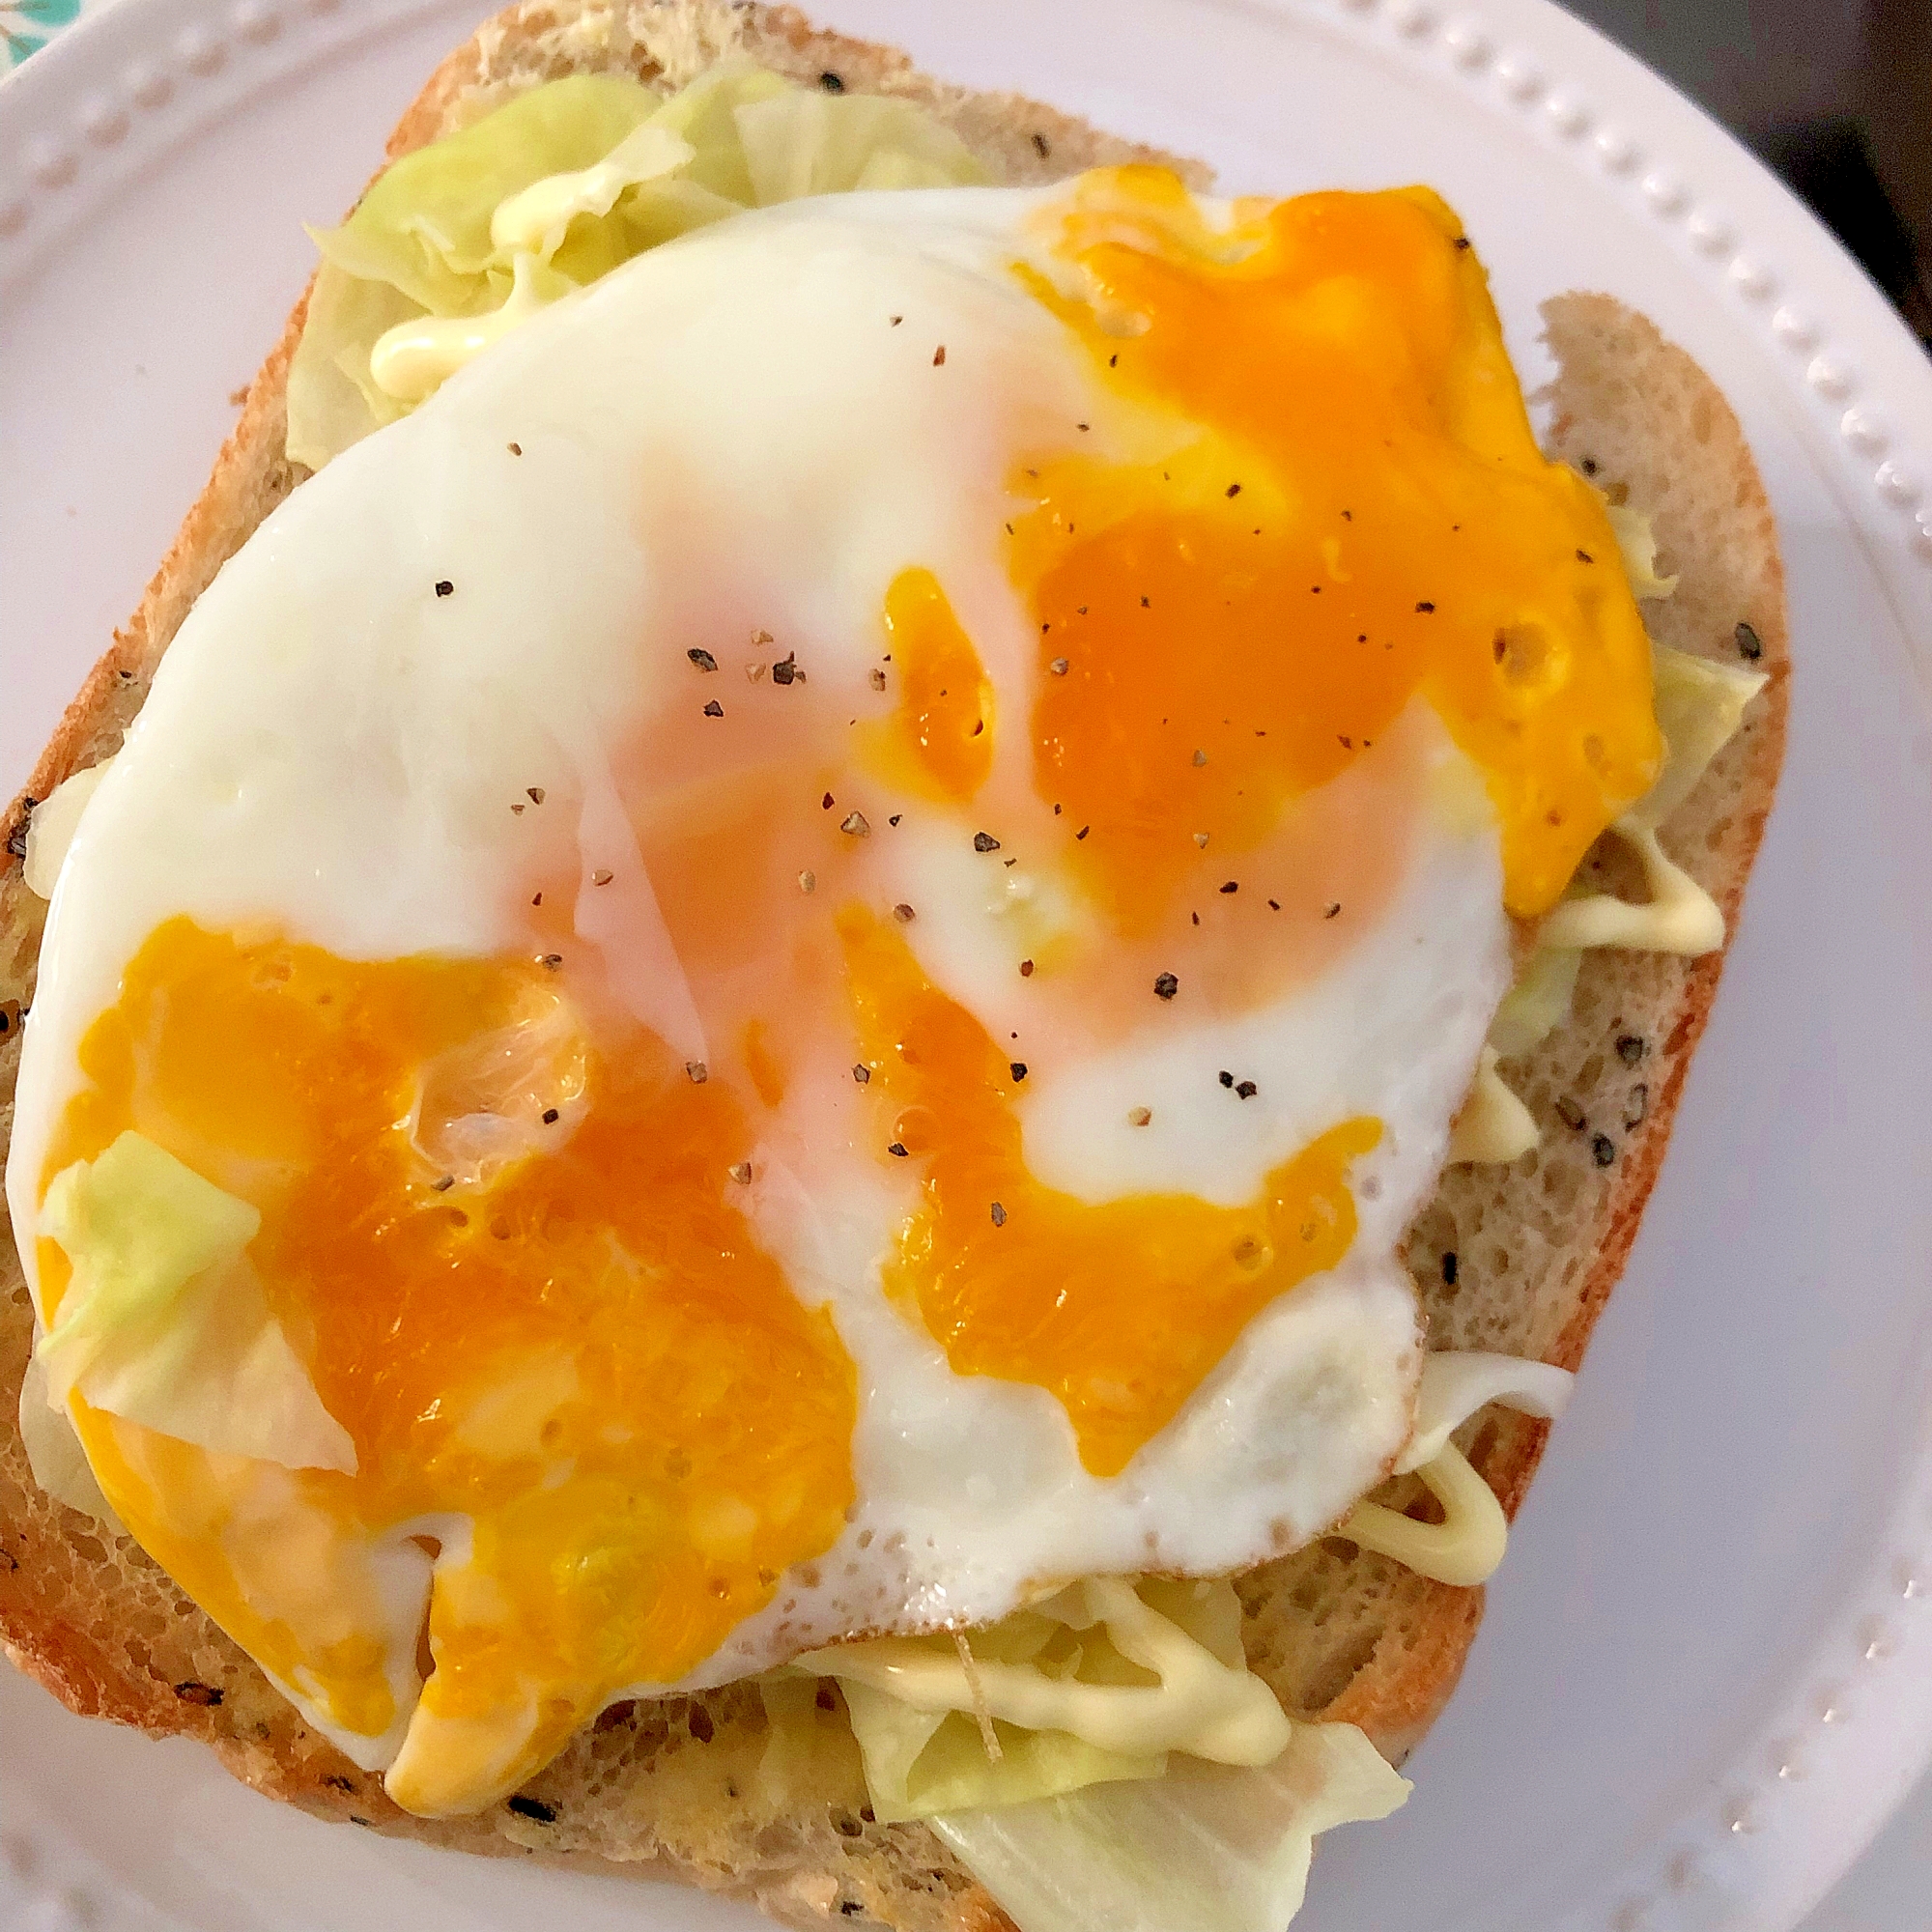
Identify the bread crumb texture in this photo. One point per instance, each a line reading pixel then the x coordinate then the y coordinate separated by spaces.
pixel 1518 1258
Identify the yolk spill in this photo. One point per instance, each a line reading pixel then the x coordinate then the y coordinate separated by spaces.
pixel 575 1341
pixel 940 738
pixel 1351 509
pixel 1118 1310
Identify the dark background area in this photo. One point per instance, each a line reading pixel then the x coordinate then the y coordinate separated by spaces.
pixel 1836 95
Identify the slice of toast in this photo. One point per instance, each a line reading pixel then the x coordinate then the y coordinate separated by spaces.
pixel 1518 1258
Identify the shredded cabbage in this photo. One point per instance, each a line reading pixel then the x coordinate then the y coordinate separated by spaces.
pixel 1701 704
pixel 1097 1683
pixel 557 189
pixel 1207 1848
pixel 1637 540
pixel 798 144
pixel 424 225
pixel 54 1455
pixel 1537 1004
pixel 51 827
pixel 166 1322
pixel 919 1762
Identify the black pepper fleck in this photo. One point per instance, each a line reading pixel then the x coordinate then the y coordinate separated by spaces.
pixel 702 658
pixel 1017 1069
pixel 1425 605
pixel 1751 647
pixel 862 1074
pixel 985 841
pixel 1449 1268
pixel 896 1148
pixel 444 588
pixel 787 671
pixel 1165 987
pixel 1233 885
pixel 1246 1089
pixel 1226 1078
pixel 999 1215
pixel 550 1116
pixel 714 709
pixel 831 82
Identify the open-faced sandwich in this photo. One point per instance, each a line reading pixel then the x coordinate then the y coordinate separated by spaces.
pixel 845 1007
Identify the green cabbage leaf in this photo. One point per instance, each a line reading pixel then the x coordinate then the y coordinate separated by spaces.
pixel 555 189
pixel 165 1321
pixel 1207 1848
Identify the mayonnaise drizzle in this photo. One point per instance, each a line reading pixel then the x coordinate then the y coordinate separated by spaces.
pixel 1467 1544
pixel 1680 915
pixel 535 220
pixel 415 358
pixel 1493 1126
pixel 1201 1705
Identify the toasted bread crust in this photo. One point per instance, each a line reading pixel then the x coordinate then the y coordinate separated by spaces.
pixel 674 1788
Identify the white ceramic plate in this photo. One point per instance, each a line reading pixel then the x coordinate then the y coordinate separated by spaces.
pixel 1702 1684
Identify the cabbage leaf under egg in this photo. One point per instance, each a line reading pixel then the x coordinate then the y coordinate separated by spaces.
pixel 1066 1834
pixel 1097 1683
pixel 164 1319
pixel 591 170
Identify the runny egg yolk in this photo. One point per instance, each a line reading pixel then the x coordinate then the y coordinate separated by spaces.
pixel 1118 1309
pixel 939 741
pixel 511 1257
pixel 499 1221
pixel 1354 512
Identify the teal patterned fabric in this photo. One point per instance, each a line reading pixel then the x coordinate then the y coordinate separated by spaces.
pixel 27 25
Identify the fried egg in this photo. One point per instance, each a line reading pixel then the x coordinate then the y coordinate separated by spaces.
pixel 834 913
